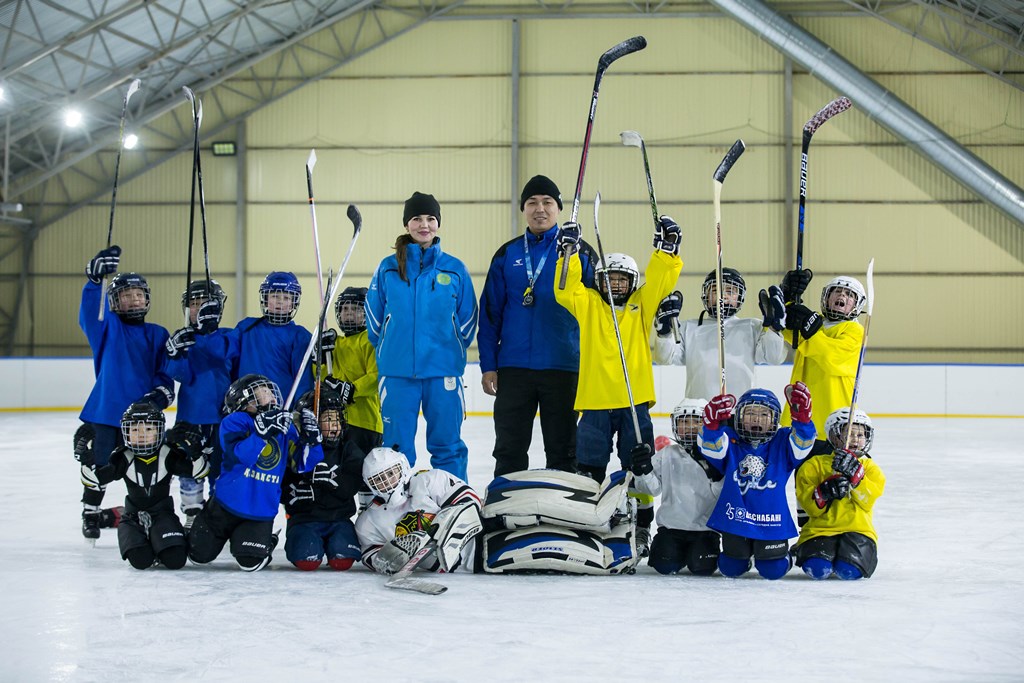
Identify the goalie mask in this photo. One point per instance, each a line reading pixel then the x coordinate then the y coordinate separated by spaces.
pixel 687 418
pixel 350 310
pixel 332 413
pixel 386 473
pixel 128 297
pixel 757 416
pixel 197 294
pixel 843 298
pixel 734 292
pixel 862 432
pixel 624 276
pixel 252 394
pixel 280 293
pixel 142 427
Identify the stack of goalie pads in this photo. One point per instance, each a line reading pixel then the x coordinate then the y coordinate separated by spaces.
pixel 552 521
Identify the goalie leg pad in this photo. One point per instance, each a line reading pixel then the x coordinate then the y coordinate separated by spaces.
pixel 457 526
pixel 567 499
pixel 557 549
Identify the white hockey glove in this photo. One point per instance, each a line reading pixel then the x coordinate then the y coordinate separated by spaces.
pixel 89 478
pixel 310 428
pixel 393 555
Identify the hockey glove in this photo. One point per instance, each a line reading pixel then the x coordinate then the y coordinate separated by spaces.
pixel 802 319
pixel 208 316
pixel 799 399
pixel 719 410
pixel 772 308
pixel 300 491
pixel 160 396
pixel 668 312
pixel 309 430
pixel 667 236
pixel 847 463
pixel 568 238
pixel 104 263
pixel 83 443
pixel 833 488
pixel 273 422
pixel 640 460
pixel 346 390
pixel 393 555
pixel 794 283
pixel 188 439
pixel 178 344
pixel 328 338
pixel 89 478
pixel 325 476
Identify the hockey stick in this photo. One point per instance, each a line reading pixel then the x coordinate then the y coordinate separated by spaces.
pixel 615 320
pixel 132 87
pixel 197 121
pixel 624 48
pixel 631 138
pixel 723 170
pixel 863 348
pixel 310 163
pixel 833 108
pixel 318 365
pixel 357 227
pixel 402 580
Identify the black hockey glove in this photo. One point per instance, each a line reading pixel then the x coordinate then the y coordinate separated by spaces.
pixel 104 263
pixel 309 430
pixel 188 439
pixel 178 344
pixel 847 463
pixel 208 316
pixel 346 390
pixel 273 422
pixel 568 238
pixel 773 308
pixel 667 236
pixel 668 312
pixel 804 320
pixel 323 475
pixel 794 283
pixel 83 443
pixel 301 490
pixel 160 396
pixel 328 338
pixel 640 460
pixel 833 488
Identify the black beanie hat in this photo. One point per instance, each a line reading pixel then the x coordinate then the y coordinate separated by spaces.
pixel 540 184
pixel 420 204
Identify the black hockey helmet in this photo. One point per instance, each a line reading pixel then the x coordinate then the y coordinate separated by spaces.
pixel 121 283
pixel 252 393
pixel 731 278
pixel 352 301
pixel 332 413
pixel 142 427
pixel 197 290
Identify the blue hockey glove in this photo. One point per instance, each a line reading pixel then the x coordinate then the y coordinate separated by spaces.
pixel 208 316
pixel 667 236
pixel 668 312
pixel 273 422
pixel 568 238
pixel 178 344
pixel 104 263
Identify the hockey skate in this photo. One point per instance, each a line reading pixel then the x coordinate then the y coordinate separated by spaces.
pixel 643 541
pixel 91 524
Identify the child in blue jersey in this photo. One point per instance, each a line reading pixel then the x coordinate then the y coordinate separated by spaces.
pixel 129 362
pixel 259 442
pixel 421 317
pixel 757 459
pixel 201 393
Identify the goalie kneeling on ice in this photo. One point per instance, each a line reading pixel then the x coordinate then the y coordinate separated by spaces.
pixel 547 520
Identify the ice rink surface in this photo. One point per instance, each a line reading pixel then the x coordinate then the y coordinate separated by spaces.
pixel 946 603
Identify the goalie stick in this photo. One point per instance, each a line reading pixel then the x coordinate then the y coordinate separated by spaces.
pixel 731 156
pixel 624 48
pixel 833 108
pixel 630 138
pixel 401 580
pixel 863 347
pixel 132 87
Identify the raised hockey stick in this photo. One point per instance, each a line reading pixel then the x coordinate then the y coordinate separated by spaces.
pixel 310 163
pixel 132 87
pixel 357 227
pixel 630 138
pixel 634 44
pixel 833 108
pixel 318 365
pixel 402 580
pixel 863 346
pixel 197 121
pixel 723 170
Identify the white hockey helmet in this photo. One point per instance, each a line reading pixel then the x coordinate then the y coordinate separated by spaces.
pixel 386 472
pixel 617 263
pixel 853 288
pixel 688 413
pixel 836 425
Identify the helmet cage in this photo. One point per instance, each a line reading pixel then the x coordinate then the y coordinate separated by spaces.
pixel 757 429
pixel 142 428
pixel 853 288
pixel 732 281
pixel 123 282
pixel 350 310
pixel 252 394
pixel 837 424
pixel 622 264
pixel 687 417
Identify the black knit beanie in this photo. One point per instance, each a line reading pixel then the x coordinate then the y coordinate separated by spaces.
pixel 420 204
pixel 540 184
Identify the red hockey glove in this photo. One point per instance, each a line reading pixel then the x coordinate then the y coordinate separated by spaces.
pixel 833 488
pixel 799 399
pixel 847 463
pixel 718 410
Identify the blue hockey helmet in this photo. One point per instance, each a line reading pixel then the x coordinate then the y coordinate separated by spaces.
pixel 127 307
pixel 757 416
pixel 280 281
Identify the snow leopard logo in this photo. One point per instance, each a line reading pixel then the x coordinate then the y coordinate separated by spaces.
pixel 749 473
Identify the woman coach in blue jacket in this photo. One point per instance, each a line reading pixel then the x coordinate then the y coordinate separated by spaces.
pixel 421 316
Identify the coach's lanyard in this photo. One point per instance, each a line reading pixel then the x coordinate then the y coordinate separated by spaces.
pixel 532 277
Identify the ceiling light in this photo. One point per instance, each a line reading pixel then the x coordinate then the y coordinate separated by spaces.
pixel 224 149
pixel 72 117
pixel 131 140
pixel 1 94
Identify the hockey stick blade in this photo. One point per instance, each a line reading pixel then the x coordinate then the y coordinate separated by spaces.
pixel 833 108
pixel 630 138
pixel 731 156
pixel 355 217
pixel 311 161
pixel 626 47
pixel 402 580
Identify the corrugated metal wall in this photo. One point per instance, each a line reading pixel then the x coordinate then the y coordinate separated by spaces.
pixel 431 111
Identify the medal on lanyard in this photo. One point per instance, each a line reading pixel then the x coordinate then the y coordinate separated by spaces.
pixel 528 299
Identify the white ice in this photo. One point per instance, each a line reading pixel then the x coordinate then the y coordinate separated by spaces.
pixel 945 603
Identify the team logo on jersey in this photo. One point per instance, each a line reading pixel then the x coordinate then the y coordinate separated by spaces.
pixel 634 308
pixel 444 279
pixel 450 383
pixel 749 474
pixel 269 457
pixel 416 520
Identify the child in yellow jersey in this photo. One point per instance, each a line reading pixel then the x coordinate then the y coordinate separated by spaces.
pixel 838 492
pixel 601 395
pixel 829 345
